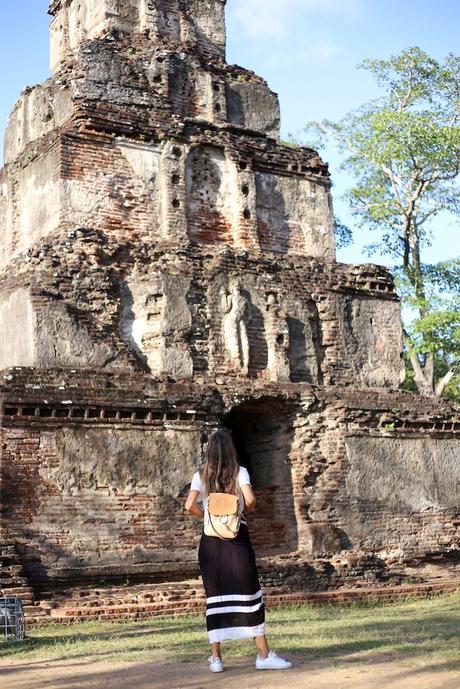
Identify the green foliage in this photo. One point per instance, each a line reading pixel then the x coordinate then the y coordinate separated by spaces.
pixel 291 141
pixel 403 151
pixel 343 234
pixel 389 425
pixel 433 321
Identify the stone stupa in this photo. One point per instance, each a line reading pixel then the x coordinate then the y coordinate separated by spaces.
pixel 168 266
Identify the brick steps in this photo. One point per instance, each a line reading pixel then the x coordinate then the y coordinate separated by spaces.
pixel 12 580
pixel 387 593
pixel 164 600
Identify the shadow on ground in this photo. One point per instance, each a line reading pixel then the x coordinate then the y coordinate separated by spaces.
pixel 240 674
pixel 403 651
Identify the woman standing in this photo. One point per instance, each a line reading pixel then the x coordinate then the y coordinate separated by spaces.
pixel 234 602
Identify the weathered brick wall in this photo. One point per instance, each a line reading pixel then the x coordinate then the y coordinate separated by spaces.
pixel 297 326
pixel 370 481
pixel 112 185
pixel 79 502
pixel 135 99
pixel 198 23
pixel 31 202
pixel 153 190
pixel 100 494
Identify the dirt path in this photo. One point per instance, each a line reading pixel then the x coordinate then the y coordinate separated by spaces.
pixel 358 673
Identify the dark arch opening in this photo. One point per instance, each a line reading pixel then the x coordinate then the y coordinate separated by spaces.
pixel 262 433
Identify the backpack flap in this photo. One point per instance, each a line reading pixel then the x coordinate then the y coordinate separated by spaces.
pixel 220 504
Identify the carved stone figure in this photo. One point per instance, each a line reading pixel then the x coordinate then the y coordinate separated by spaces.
pixel 237 314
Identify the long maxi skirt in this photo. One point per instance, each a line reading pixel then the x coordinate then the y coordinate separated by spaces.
pixel 234 602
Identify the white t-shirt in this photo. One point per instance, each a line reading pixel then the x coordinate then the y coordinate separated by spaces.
pixel 243 480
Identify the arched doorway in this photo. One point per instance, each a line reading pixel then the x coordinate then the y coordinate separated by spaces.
pixel 262 433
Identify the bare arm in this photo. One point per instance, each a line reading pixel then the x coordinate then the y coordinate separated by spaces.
pixel 249 497
pixel 191 506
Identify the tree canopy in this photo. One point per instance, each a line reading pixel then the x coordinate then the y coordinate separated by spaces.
pixel 403 152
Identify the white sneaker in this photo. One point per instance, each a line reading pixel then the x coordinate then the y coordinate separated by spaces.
pixel 272 662
pixel 215 664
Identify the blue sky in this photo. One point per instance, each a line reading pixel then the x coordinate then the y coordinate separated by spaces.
pixel 306 49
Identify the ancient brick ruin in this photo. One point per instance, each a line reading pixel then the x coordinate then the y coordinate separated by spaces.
pixel 168 266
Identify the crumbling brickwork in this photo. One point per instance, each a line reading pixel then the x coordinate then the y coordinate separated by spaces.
pixel 168 267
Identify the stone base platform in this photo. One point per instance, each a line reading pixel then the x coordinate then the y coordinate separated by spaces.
pixel 141 602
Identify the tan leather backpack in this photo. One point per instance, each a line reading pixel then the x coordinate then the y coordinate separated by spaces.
pixel 222 518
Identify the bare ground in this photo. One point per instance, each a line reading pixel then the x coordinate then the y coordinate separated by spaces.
pixel 357 672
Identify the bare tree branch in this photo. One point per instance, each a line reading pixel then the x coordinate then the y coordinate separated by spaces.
pixel 444 382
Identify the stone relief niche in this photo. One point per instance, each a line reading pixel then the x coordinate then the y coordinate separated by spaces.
pixel 144 159
pixel 81 20
pixel 237 315
pixel 372 340
pixel 305 343
pixel 263 334
pixel 156 323
pixel 272 219
pixel 257 336
pixel 17 330
pixel 239 340
pixel 278 339
pixel 182 92
pixel 120 194
pixel 86 18
pixel 210 179
pixel 126 10
pixel 168 19
pixel 34 204
pixel 79 16
pixel 294 215
pixel 38 111
pixel 243 330
pixel 46 333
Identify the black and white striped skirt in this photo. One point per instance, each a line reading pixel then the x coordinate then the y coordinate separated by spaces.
pixel 234 602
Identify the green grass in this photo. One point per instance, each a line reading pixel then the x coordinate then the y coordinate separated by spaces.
pixel 410 631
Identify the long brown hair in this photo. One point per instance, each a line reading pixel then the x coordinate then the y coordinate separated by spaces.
pixel 220 472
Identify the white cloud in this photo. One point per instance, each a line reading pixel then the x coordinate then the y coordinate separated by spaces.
pixel 275 19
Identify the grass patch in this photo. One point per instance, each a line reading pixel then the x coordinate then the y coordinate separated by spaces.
pixel 411 631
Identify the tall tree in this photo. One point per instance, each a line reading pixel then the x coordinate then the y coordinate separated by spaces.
pixel 403 151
